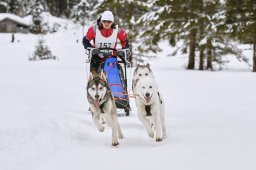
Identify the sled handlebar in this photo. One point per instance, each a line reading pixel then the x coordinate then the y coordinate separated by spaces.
pixel 123 54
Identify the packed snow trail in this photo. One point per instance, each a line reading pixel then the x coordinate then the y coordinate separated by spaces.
pixel 45 123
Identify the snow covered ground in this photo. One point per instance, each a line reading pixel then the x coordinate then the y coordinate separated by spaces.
pixel 45 123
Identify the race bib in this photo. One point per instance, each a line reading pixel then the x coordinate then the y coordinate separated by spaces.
pixel 106 42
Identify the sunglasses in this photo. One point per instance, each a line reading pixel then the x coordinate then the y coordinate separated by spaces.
pixel 107 21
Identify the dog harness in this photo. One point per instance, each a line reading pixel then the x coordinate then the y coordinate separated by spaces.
pixel 148 109
pixel 159 98
pixel 106 97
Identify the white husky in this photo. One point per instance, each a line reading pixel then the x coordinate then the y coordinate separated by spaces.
pixel 102 105
pixel 150 105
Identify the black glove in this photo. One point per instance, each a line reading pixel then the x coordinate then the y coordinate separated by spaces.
pixel 120 54
pixel 95 51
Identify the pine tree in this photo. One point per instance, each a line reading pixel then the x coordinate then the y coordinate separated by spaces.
pixel 57 7
pixel 172 20
pixel 42 51
pixel 36 17
pixel 82 12
pixel 3 6
pixel 70 6
pixel 10 6
pixel 61 8
pixel 209 19
pixel 150 37
pixel 26 7
pixel 241 20
pixel 13 6
pixel 199 25
pixel 193 13
pixel 17 7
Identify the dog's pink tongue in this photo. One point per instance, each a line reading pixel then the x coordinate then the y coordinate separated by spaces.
pixel 147 99
pixel 96 103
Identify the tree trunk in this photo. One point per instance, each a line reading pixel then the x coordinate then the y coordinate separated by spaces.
pixel 192 49
pixel 201 58
pixel 209 55
pixel 202 36
pixel 254 57
pixel 131 27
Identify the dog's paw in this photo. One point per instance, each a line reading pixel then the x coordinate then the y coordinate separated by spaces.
pixel 115 143
pixel 159 139
pixel 151 134
pixel 101 128
pixel 121 136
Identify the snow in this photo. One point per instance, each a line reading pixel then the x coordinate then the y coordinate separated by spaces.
pixel 45 123
pixel 151 16
pixel 14 18
pixel 203 41
pixel 52 22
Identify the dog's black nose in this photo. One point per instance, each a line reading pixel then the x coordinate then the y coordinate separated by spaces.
pixel 97 96
pixel 147 94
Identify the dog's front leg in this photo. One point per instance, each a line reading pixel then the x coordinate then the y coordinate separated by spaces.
pixel 162 116
pixel 96 119
pixel 158 123
pixel 114 115
pixel 120 134
pixel 142 118
pixel 113 125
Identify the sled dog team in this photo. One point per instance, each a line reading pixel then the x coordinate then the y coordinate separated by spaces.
pixel 149 102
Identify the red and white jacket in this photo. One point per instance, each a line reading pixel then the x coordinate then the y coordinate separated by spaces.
pixel 91 35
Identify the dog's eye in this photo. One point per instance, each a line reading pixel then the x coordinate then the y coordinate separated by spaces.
pixel 93 88
pixel 101 88
pixel 143 87
pixel 150 87
pixel 139 74
pixel 146 74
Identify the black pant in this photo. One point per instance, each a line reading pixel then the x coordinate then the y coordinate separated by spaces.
pixel 96 64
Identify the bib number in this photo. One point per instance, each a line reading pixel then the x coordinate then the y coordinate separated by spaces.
pixel 106 49
pixel 105 45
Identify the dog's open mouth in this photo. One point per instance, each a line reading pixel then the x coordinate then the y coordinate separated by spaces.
pixel 97 102
pixel 148 99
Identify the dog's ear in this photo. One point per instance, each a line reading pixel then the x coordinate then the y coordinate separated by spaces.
pixel 103 76
pixel 136 69
pixel 94 72
pixel 90 76
pixel 148 66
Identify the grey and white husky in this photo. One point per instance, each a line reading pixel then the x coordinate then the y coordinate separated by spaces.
pixel 150 104
pixel 139 72
pixel 102 105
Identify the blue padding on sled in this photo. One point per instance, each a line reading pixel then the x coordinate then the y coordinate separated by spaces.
pixel 114 81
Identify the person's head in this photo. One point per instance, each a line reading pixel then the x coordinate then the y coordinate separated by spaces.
pixel 107 19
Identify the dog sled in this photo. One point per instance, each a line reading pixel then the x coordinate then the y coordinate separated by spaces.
pixel 115 68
